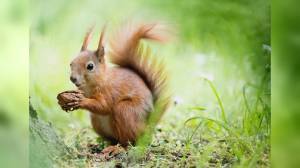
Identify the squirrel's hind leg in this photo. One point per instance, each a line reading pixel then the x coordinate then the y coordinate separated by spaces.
pixel 129 120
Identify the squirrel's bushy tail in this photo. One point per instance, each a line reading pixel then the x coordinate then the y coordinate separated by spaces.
pixel 128 52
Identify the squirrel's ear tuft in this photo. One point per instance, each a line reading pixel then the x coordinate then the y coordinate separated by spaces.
pixel 100 54
pixel 87 38
pixel 100 49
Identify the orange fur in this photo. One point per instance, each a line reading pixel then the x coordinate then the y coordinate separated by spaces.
pixel 121 98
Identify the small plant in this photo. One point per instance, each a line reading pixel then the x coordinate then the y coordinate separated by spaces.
pixel 234 134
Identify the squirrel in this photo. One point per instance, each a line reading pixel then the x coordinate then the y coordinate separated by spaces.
pixel 119 98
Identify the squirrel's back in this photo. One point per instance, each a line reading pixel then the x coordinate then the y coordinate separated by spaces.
pixel 127 83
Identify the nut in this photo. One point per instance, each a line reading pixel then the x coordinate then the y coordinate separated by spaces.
pixel 66 97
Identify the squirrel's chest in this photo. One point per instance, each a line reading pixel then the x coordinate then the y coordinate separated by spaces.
pixel 102 125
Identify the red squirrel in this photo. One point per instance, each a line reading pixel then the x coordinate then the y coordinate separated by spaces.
pixel 119 98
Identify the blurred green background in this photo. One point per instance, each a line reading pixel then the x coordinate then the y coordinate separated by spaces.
pixel 226 42
pixel 229 35
pixel 285 83
pixel 14 29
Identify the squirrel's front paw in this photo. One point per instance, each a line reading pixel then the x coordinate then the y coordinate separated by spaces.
pixel 70 100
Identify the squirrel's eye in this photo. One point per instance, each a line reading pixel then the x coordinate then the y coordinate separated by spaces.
pixel 90 66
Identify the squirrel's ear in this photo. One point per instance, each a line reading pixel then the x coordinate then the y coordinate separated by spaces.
pixel 100 49
pixel 87 38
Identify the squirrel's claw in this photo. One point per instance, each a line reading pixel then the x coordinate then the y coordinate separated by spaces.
pixel 78 96
pixel 111 151
pixel 73 103
pixel 70 106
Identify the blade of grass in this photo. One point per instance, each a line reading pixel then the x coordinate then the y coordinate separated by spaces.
pixel 245 98
pixel 198 108
pixel 213 88
pixel 245 119
pixel 193 133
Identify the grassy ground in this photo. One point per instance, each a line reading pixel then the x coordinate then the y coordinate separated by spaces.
pixel 219 68
pixel 229 127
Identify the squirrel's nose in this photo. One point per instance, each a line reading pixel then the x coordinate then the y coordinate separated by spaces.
pixel 73 79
